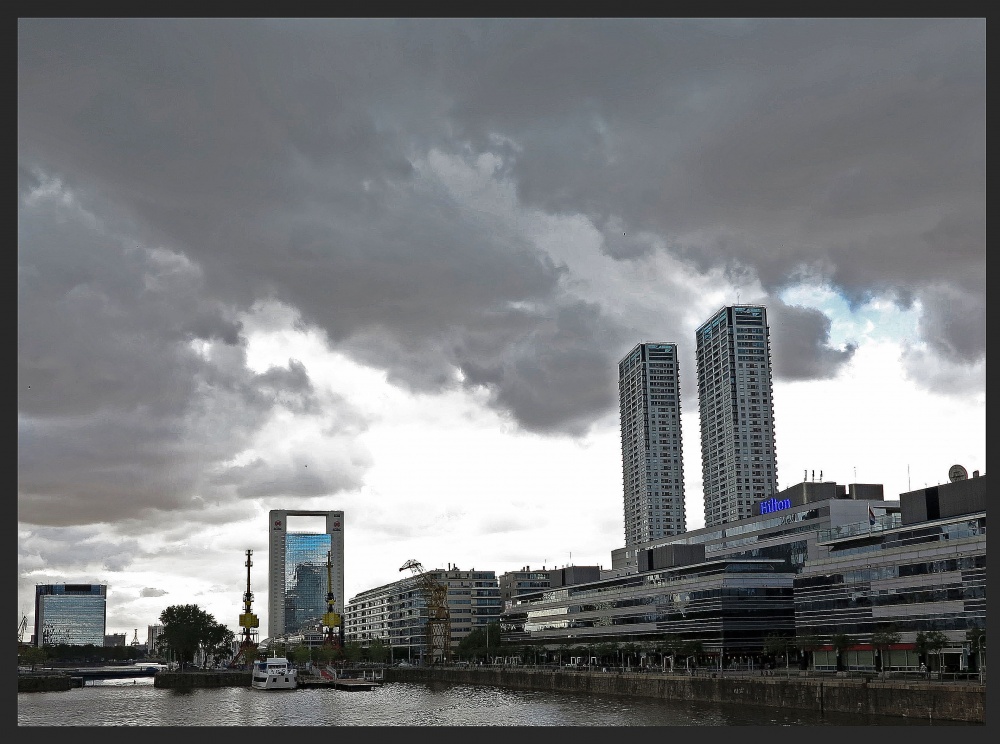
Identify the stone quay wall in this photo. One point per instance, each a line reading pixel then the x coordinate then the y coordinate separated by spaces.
pixel 910 699
pixel 43 682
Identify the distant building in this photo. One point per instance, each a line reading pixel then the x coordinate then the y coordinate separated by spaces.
pixel 396 613
pixel 74 614
pixel 652 452
pixel 115 639
pixel 153 633
pixel 736 409
pixel 514 584
pixel 297 571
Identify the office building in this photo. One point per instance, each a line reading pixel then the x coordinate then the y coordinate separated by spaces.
pixel 297 571
pixel 153 633
pixel 73 614
pixel 924 570
pixel 652 455
pixel 528 580
pixel 114 639
pixel 735 405
pixel 396 613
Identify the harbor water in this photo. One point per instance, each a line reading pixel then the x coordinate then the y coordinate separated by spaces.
pixel 138 703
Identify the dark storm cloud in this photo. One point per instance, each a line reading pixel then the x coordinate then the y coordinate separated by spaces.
pixel 287 161
pixel 799 343
pixel 132 384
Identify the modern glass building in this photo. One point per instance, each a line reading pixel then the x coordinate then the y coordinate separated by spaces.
pixel 652 455
pixel 922 572
pixel 735 405
pixel 70 613
pixel 297 571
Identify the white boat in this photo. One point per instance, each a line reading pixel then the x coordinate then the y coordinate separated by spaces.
pixel 274 673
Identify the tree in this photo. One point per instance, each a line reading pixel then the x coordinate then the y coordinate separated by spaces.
pixel 352 651
pixel 929 643
pixel 775 644
pixel 34 655
pixel 378 651
pixel 881 641
pixel 188 628
pixel 807 643
pixel 689 649
pixel 841 642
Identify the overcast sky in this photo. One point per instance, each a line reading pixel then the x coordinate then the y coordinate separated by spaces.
pixel 390 266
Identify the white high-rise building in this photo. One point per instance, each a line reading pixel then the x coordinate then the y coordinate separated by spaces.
pixel 652 455
pixel 738 460
pixel 297 571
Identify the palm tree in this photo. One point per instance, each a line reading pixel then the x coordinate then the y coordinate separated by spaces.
pixel 807 643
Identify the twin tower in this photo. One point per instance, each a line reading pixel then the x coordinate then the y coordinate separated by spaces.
pixel 736 411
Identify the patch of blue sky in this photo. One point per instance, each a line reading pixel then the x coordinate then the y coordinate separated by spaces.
pixel 878 320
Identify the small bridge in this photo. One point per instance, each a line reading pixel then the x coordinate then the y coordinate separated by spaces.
pixel 112 672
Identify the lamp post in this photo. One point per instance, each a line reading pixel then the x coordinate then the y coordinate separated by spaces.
pixel 979 647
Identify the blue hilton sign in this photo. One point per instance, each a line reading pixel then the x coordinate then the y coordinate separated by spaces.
pixel 773 505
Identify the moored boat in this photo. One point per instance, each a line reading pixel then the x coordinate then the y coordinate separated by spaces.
pixel 274 673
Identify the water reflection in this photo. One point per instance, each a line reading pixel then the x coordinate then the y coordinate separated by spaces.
pixel 122 703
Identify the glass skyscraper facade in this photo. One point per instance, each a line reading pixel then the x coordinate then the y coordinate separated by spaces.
pixel 297 571
pixel 652 455
pixel 305 580
pixel 735 405
pixel 75 614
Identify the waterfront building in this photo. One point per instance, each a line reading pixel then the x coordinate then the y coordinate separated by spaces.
pixel 396 613
pixel 74 614
pixel 114 639
pixel 513 584
pixel 719 609
pixel 153 633
pixel 652 452
pixel 735 405
pixel 297 571
pixel 785 526
pixel 925 571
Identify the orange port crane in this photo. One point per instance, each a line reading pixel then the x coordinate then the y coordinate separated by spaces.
pixel 249 622
pixel 331 619
pixel 438 626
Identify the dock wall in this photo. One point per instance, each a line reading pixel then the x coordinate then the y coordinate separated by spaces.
pixel 184 680
pixel 911 699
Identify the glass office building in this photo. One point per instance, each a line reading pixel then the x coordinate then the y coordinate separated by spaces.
pixel 298 573
pixel 74 614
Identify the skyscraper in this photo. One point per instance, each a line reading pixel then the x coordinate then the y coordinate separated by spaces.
pixel 652 456
pixel 297 571
pixel 70 613
pixel 738 462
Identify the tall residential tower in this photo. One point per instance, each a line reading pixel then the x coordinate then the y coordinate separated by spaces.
pixel 652 456
pixel 738 463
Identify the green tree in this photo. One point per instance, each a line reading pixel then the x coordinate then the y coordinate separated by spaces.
pixel 301 654
pixel 929 643
pixel 188 628
pixel 378 651
pixel 807 643
pixel 776 644
pixel 841 642
pixel 34 655
pixel 352 651
pixel 882 640
pixel 688 649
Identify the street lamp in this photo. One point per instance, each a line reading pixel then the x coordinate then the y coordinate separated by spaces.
pixel 979 647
